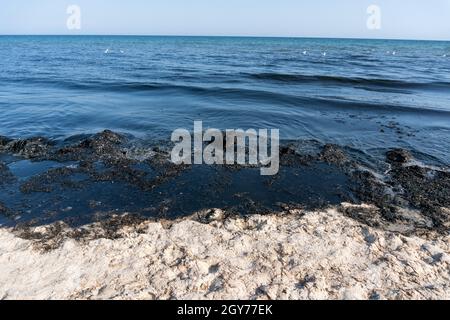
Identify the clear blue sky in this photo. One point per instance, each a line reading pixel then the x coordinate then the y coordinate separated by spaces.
pixel 408 19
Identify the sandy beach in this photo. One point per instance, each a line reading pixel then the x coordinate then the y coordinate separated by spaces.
pixel 299 255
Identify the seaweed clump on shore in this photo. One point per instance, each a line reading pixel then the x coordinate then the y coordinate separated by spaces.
pixel 103 157
pixel 3 142
pixel 426 189
pixel 101 146
pixel 334 154
pixel 407 198
pixel 106 226
pixel 411 199
pixel 36 147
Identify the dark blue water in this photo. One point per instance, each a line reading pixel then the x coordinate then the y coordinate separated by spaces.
pixel 365 94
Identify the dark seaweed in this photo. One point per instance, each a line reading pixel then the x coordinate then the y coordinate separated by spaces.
pixel 107 178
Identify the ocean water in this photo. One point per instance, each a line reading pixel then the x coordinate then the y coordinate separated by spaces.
pixel 366 94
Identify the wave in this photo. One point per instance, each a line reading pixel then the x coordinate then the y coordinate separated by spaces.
pixel 338 80
pixel 238 94
pixel 375 84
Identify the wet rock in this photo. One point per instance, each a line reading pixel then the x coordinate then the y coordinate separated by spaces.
pixel 4 141
pixel 398 156
pixel 290 157
pixel 412 199
pixel 427 190
pixel 49 181
pixel 366 214
pixel 108 136
pixel 333 154
pixel 105 142
pixel 109 226
pixel 105 146
pixel 69 153
pixel 285 150
pixel 46 238
pixel 29 148
pixel 369 189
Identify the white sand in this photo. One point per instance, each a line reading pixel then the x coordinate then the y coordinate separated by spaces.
pixel 321 255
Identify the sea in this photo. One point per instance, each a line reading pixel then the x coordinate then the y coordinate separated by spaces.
pixel 364 95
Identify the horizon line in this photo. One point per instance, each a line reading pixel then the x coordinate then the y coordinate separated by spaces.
pixel 219 36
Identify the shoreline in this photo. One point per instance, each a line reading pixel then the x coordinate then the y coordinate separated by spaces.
pixel 90 178
pixel 384 235
pixel 301 255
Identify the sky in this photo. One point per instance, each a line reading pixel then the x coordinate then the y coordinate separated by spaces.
pixel 400 19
